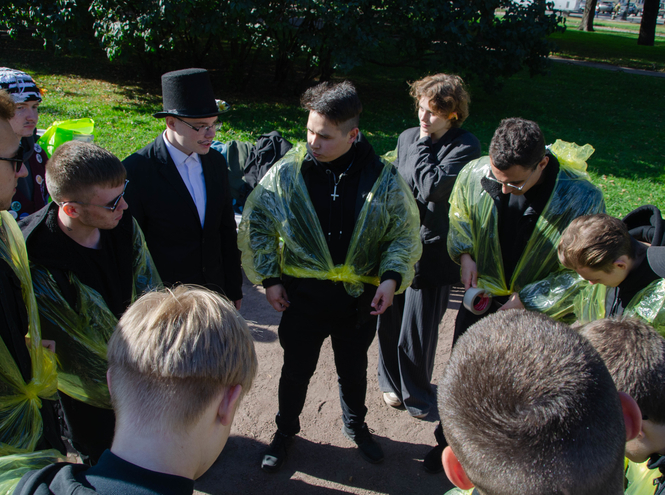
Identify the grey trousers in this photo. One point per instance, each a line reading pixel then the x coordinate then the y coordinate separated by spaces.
pixel 408 333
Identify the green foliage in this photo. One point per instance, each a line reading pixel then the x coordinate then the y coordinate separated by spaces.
pixel 297 42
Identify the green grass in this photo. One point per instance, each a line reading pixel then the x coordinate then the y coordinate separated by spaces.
pixel 615 48
pixel 620 114
pixel 604 23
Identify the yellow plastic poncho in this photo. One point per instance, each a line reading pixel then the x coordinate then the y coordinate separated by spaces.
pixel 86 329
pixel 20 420
pixel 13 467
pixel 280 231
pixel 640 478
pixel 648 304
pixel 543 284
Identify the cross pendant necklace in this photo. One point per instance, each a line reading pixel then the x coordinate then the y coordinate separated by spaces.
pixel 336 181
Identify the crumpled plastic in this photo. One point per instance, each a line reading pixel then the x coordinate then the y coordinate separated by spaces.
pixel 280 231
pixel 647 305
pixel 20 420
pixel 543 284
pixel 66 130
pixel 14 467
pixel 83 332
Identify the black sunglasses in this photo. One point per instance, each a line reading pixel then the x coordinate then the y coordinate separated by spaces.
pixel 17 159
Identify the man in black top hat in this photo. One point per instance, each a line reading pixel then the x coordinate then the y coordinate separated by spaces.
pixel 178 190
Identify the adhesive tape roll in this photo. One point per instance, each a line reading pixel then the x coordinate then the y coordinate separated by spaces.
pixel 477 301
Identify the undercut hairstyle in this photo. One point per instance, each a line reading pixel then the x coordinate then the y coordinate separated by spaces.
pixel 338 102
pixel 7 106
pixel 634 353
pixel 525 401
pixel 76 167
pixel 595 242
pixel 175 351
pixel 517 142
pixel 446 94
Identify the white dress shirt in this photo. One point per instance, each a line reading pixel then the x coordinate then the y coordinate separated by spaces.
pixel 191 171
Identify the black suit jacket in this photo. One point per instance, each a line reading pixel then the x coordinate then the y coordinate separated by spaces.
pixel 183 251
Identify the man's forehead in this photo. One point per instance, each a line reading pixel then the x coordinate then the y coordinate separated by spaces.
pixel 9 140
pixel 320 124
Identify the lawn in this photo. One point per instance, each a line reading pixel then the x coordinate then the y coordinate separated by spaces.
pixel 620 114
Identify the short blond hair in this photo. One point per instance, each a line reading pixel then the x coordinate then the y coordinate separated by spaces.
pixel 173 352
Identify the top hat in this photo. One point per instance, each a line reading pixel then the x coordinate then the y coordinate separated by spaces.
pixel 19 85
pixel 188 93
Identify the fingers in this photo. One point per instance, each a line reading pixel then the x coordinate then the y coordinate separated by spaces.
pixel 474 278
pixel 238 304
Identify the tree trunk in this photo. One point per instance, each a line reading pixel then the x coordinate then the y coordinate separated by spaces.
pixel 648 25
pixel 587 17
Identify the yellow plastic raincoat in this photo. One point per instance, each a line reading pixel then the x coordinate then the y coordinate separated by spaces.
pixel 81 348
pixel 648 304
pixel 20 420
pixel 280 232
pixel 13 467
pixel 640 479
pixel 543 284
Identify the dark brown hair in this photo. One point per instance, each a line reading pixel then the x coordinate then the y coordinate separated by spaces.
pixel 338 102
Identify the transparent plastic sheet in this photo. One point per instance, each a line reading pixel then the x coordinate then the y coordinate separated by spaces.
pixel 640 479
pixel 83 332
pixel 474 230
pixel 280 231
pixel 648 304
pixel 14 467
pixel 66 130
pixel 20 420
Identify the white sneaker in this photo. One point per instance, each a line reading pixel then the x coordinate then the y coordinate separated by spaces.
pixel 391 399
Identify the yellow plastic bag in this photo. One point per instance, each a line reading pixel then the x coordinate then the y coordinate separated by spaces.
pixel 14 467
pixel 66 130
pixel 280 231
pixel 648 304
pixel 82 334
pixel 542 283
pixel 20 420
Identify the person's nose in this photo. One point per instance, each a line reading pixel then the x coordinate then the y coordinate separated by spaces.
pixel 23 171
pixel 32 115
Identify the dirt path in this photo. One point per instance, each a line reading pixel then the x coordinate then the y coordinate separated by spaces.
pixel 322 460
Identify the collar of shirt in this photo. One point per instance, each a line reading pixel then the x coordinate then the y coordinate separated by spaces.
pixel 178 156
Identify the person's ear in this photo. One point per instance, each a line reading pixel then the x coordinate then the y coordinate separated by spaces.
pixel 353 135
pixel 621 262
pixel 170 122
pixel 227 406
pixel 108 380
pixel 543 163
pixel 632 416
pixel 70 209
pixel 454 470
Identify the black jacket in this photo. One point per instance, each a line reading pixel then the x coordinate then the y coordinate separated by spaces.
pixel 430 171
pixel 182 250
pixel 110 476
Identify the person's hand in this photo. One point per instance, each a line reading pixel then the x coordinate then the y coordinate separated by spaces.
pixel 469 271
pixel 49 344
pixel 513 303
pixel 276 295
pixel 383 298
pixel 238 304
pixel 423 133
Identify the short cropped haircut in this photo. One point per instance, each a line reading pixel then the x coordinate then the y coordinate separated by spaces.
pixel 75 167
pixel 526 402
pixel 594 241
pixel 446 94
pixel 173 352
pixel 517 142
pixel 635 355
pixel 338 102
pixel 7 106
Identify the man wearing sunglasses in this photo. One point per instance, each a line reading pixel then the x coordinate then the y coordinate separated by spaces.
pixel 89 263
pixel 179 190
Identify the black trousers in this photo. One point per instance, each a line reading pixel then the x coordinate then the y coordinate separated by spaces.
pixel 90 428
pixel 301 336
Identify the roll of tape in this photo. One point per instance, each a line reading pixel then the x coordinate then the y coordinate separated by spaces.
pixel 477 301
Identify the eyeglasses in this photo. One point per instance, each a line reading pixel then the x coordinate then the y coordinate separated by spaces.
pixel 216 126
pixel 513 186
pixel 112 205
pixel 17 159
